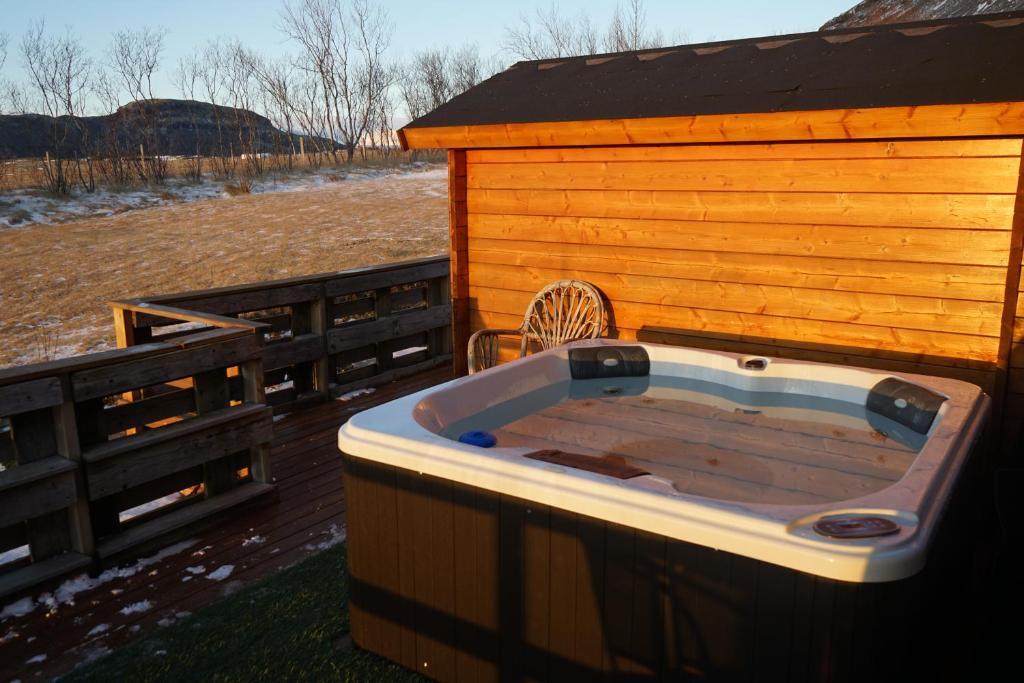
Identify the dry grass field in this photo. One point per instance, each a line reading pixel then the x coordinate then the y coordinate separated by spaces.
pixel 55 279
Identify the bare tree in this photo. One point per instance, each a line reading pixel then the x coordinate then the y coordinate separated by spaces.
pixel 59 72
pixel 278 96
pixel 242 87
pixel 113 147
pixel 212 64
pixel 629 31
pixel 548 34
pixel 343 49
pixel 435 76
pixel 134 58
pixel 5 93
pixel 186 78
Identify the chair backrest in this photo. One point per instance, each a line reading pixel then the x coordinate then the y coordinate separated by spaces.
pixel 561 312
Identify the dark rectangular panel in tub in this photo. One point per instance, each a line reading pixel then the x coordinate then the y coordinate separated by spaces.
pixel 907 404
pixel 514 590
pixel 593 362
pixel 608 465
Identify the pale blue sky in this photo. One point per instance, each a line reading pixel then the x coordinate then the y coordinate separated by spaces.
pixel 418 23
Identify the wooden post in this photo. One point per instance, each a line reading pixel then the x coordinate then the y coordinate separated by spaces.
pixel 1015 256
pixel 382 309
pixel 34 439
pixel 212 393
pixel 66 435
pixel 458 229
pixel 310 317
pixel 91 429
pixel 255 392
pixel 126 334
pixel 318 325
pixel 142 154
pixel 439 341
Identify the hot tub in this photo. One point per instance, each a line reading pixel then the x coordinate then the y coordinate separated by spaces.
pixel 652 510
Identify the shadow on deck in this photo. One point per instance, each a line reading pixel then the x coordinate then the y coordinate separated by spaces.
pixel 82 618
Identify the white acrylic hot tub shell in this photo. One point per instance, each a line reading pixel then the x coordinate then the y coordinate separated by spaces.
pixel 399 433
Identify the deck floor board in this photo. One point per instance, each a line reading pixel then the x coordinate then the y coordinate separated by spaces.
pixel 308 515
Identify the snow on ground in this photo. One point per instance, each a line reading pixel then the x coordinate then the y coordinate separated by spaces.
pixel 66 592
pixel 335 535
pixel 355 394
pixel 97 630
pixel 28 206
pixel 221 573
pixel 58 278
pixel 18 609
pixel 137 607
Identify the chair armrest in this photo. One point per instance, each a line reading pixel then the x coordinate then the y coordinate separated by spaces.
pixel 483 347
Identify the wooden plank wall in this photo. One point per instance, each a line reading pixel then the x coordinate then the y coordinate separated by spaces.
pixel 889 254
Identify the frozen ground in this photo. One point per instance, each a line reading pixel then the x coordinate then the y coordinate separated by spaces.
pixel 22 208
pixel 55 278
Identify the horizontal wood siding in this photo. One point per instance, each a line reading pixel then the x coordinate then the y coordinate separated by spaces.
pixel 887 253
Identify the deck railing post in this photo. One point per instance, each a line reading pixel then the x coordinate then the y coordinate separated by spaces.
pixel 381 310
pixel 440 339
pixel 318 325
pixel 68 445
pixel 213 393
pixel 255 392
pixel 34 439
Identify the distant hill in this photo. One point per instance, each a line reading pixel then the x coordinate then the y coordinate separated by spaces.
pixel 179 127
pixel 874 12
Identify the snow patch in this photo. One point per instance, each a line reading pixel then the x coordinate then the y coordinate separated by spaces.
pixel 355 394
pixel 335 535
pixel 254 540
pixel 221 573
pixel 38 659
pixel 98 629
pixel 197 569
pixel 18 609
pixel 137 607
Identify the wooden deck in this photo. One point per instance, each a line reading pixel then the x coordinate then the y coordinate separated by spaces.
pixel 308 516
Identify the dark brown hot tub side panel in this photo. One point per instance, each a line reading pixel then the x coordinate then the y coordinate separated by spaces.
pixel 462 584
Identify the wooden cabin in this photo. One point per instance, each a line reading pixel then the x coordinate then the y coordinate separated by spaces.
pixel 848 196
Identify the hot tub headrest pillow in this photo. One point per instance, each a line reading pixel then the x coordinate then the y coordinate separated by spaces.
pixel 908 404
pixel 594 362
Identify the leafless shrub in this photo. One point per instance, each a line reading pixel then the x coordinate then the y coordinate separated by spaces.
pixel 435 76
pixel 342 54
pixel 629 30
pixel 239 187
pixel 548 34
pixel 45 341
pixel 134 58
pixel 59 72
pixel 186 78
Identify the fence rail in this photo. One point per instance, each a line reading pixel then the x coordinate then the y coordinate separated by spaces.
pixel 185 403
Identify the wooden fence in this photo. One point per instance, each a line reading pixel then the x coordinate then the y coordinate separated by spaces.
pixel 186 404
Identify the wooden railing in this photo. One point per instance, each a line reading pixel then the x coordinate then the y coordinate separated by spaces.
pixel 324 334
pixel 186 404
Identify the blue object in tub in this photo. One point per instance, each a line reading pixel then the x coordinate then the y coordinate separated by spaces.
pixel 481 439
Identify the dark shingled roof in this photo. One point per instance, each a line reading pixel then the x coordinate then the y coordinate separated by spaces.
pixel 953 61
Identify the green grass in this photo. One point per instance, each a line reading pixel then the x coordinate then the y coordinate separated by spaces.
pixel 290 626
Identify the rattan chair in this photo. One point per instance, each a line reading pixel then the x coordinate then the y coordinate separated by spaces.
pixel 561 312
